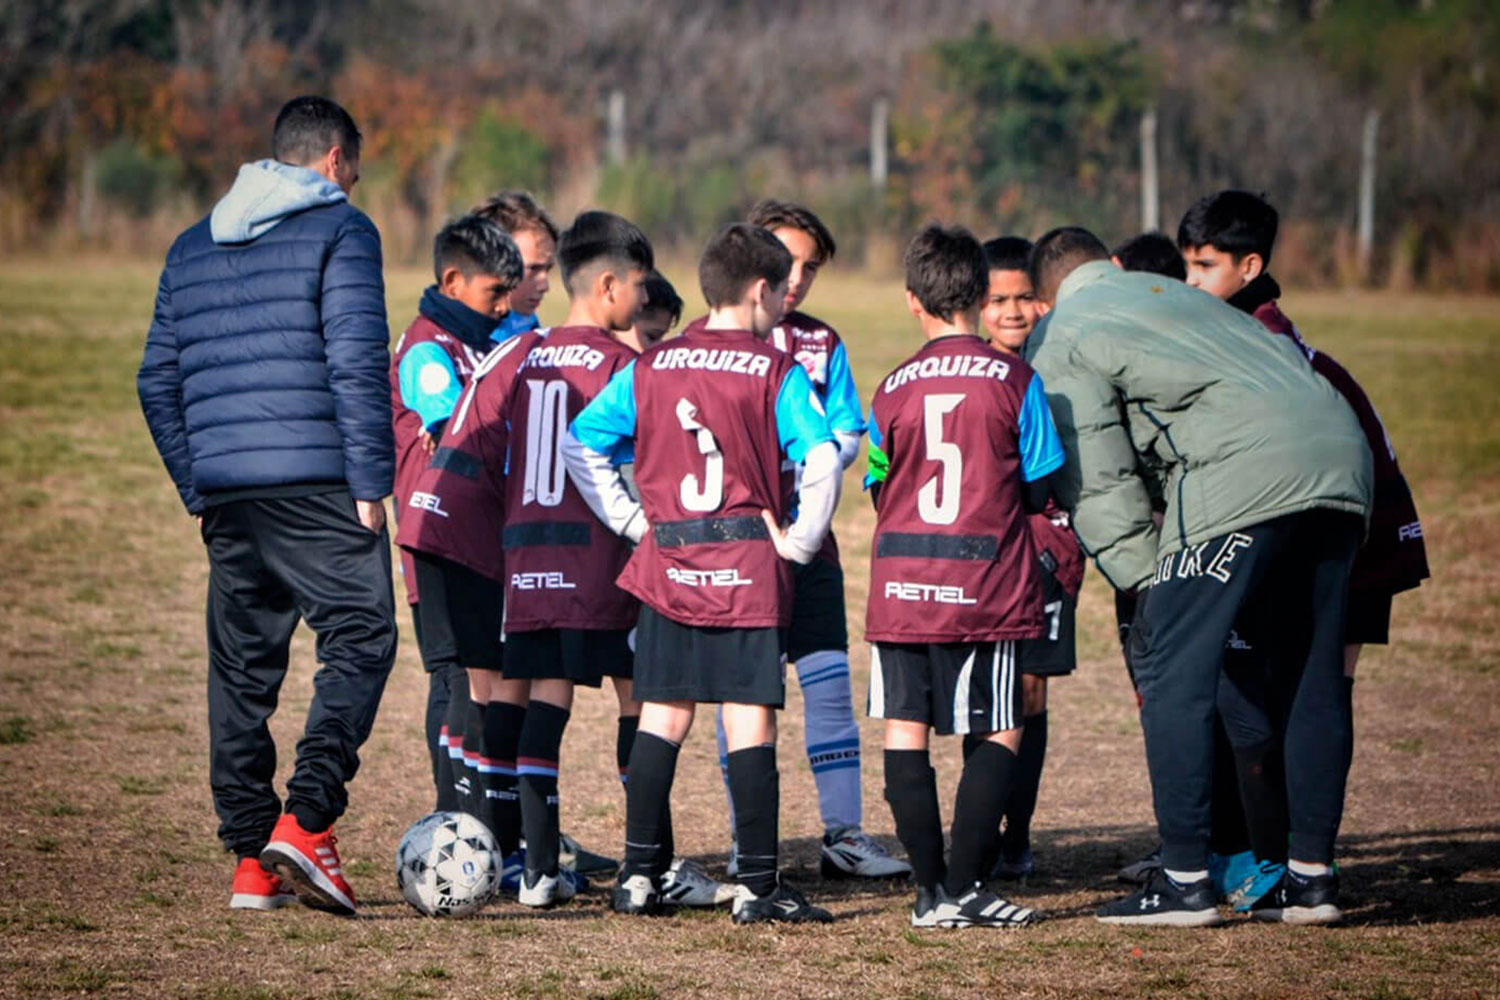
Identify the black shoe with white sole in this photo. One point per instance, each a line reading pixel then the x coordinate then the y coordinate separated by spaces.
pixel 1300 899
pixel 637 895
pixel 786 905
pixel 981 908
pixel 1164 903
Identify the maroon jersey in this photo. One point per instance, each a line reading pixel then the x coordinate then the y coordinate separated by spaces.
pixel 708 460
pixel 953 559
pixel 456 508
pixel 561 562
pixel 411 457
pixel 1394 556
pixel 1057 547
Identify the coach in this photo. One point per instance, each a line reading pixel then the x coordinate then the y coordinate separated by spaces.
pixel 265 386
pixel 1267 481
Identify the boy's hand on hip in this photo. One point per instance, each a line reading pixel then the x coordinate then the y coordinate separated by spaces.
pixel 371 514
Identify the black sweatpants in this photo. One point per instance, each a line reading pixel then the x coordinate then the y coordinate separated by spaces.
pixel 1298 565
pixel 273 562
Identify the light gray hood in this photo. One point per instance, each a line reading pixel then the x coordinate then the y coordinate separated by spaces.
pixel 264 193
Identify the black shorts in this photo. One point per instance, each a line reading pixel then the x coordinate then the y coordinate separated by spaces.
pixel 956 687
pixel 583 656
pixel 1055 653
pixel 818 621
pixel 677 662
pixel 459 615
pixel 1369 618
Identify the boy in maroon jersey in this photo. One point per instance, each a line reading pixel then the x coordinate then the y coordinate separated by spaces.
pixel 477 266
pixel 566 622
pixel 961 443
pixel 818 638
pixel 713 416
pixel 661 311
pixel 452 527
pixel 1008 315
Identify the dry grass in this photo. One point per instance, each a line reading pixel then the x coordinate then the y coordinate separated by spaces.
pixel 113 883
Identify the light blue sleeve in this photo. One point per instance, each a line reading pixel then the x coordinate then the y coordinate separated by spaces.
pixel 1041 449
pixel 800 421
pixel 513 324
pixel 842 399
pixel 429 383
pixel 607 424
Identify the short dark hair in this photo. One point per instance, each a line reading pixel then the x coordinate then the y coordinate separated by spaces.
pixel 602 237
pixel 946 270
pixel 308 127
pixel 1154 252
pixel 475 245
pixel 1232 222
pixel 768 213
pixel 660 295
pixel 736 257
pixel 515 211
pixel 1008 253
pixel 1058 253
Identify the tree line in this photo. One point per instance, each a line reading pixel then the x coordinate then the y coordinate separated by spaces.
pixel 123 118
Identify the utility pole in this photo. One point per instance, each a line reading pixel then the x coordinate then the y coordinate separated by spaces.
pixel 1150 191
pixel 614 142
pixel 880 116
pixel 1367 192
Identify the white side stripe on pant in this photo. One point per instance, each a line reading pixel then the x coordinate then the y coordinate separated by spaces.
pixel 961 696
pixel 877 684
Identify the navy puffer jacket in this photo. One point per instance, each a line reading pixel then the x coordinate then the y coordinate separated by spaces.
pixel 267 361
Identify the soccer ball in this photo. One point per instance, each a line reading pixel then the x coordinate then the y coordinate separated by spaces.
pixel 448 865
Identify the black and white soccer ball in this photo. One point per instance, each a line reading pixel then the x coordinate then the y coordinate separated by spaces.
pixel 448 865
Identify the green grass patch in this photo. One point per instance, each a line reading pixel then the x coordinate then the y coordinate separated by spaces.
pixel 15 729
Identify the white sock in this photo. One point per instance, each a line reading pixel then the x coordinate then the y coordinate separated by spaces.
pixel 1185 878
pixel 1309 869
pixel 832 736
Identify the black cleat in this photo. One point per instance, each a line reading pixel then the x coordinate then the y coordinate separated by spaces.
pixel 785 904
pixel 1300 899
pixel 636 895
pixel 1162 902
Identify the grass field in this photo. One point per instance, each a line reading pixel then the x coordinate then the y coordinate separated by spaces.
pixel 112 882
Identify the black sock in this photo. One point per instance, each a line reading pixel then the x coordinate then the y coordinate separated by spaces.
pixel 970 742
pixel 755 788
pixel 502 804
pixel 1228 832
pixel 624 740
pixel 468 781
pixel 439 694
pixel 1021 805
pixel 309 818
pixel 1349 692
pixel 1262 787
pixel 911 790
pixel 648 797
pixel 537 755
pixel 982 790
pixel 453 721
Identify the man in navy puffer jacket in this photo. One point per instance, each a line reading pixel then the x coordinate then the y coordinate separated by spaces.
pixel 264 385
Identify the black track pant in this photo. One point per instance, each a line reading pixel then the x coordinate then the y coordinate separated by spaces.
pixel 1297 568
pixel 273 562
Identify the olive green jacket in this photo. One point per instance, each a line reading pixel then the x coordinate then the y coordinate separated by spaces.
pixel 1148 377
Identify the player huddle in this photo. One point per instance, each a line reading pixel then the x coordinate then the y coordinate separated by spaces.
pixel 595 501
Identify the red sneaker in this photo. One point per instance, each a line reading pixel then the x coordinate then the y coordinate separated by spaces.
pixel 309 863
pixel 257 889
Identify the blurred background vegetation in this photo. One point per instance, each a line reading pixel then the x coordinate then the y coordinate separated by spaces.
pixel 122 120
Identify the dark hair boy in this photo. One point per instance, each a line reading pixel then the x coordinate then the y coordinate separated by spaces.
pixel 955 432
pixel 711 416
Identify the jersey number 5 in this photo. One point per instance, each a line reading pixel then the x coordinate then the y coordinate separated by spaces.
pixel 937 500
pixel 546 423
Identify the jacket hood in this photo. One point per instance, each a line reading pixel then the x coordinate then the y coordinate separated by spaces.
pixel 266 192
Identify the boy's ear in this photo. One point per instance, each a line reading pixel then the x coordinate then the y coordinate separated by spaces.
pixel 606 284
pixel 759 292
pixel 914 305
pixel 1043 307
pixel 1252 266
pixel 450 280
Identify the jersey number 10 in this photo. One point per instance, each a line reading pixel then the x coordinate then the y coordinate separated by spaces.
pixel 546 423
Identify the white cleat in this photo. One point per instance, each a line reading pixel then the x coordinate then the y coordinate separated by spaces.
pixel 545 890
pixel 855 854
pixel 687 884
